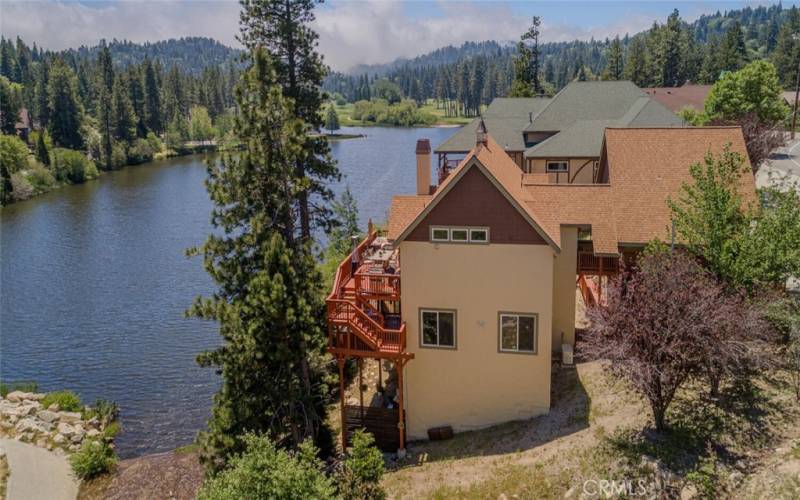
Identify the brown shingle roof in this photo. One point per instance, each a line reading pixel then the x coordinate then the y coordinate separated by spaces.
pixel 675 98
pixel 647 166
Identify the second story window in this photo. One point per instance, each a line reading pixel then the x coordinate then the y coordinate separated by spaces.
pixel 557 166
pixel 459 234
pixel 437 328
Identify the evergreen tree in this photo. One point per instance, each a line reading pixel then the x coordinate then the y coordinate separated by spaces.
pixel 787 50
pixel 710 69
pixel 672 52
pixel 136 93
pixel 614 55
pixel 10 104
pixel 123 115
pixel 42 153
pixel 105 125
pixel 6 187
pixel 733 53
pixel 332 118
pixel 152 99
pixel 105 67
pixel 269 294
pixel 526 64
pixel 282 28
pixel 41 106
pixel 64 109
pixel 174 96
pixel 636 65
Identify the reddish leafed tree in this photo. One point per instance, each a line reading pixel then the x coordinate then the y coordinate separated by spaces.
pixel 761 138
pixel 667 319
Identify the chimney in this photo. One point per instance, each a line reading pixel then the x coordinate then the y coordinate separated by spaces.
pixel 530 116
pixel 480 133
pixel 423 166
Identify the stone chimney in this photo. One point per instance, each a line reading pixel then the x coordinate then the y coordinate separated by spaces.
pixel 423 166
pixel 480 133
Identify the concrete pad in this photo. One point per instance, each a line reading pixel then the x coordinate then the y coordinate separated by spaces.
pixel 37 474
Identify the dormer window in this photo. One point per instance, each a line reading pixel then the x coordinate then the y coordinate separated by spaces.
pixel 557 166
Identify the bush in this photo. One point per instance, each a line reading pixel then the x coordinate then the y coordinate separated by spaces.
pixel 13 153
pixel 66 400
pixel 119 155
pixel 41 180
pixel 21 188
pixel 404 113
pixel 263 471
pixel 106 411
pixel 24 386
pixel 94 458
pixel 73 166
pixel 143 150
pixel 361 472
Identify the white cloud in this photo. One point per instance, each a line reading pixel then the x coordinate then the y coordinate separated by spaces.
pixel 351 32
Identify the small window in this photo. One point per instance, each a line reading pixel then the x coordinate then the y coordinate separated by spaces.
pixel 440 234
pixel 437 328
pixel 458 234
pixel 479 235
pixel 518 333
pixel 557 166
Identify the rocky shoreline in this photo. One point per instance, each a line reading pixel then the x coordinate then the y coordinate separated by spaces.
pixel 24 418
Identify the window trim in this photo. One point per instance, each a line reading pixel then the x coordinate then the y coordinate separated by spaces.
pixel 535 317
pixel 438 310
pixel 468 229
pixel 559 171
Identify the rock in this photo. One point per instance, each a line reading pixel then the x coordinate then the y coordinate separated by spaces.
pixel 69 416
pixel 689 492
pixel 13 419
pixel 48 416
pixel 93 422
pixel 19 396
pixel 736 478
pixel 78 436
pixel 571 492
pixel 24 410
pixel 92 433
pixel 5 424
pixel 41 443
pixel 54 407
pixel 32 425
pixel 73 447
pixel 59 439
pixel 66 429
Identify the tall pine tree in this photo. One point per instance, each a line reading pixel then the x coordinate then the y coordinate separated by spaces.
pixel 64 109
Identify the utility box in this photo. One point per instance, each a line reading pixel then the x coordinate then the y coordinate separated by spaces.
pixel 566 354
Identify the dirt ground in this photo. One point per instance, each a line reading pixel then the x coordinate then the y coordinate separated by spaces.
pixel 168 476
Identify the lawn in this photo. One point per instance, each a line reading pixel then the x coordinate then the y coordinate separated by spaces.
pixel 345 116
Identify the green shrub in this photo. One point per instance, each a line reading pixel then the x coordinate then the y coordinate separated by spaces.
pixel 362 470
pixel 22 385
pixel 140 151
pixel 119 155
pixel 13 153
pixel 111 430
pixel 94 458
pixel 66 400
pixel 263 471
pixel 73 166
pixel 41 180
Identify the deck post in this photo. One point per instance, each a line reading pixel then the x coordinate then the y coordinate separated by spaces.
pixel 380 373
pixel 600 285
pixel 341 360
pixel 361 390
pixel 401 452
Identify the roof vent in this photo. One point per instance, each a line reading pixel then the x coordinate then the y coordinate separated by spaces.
pixel 480 133
pixel 530 116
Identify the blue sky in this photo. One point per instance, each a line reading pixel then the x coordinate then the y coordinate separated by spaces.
pixel 351 32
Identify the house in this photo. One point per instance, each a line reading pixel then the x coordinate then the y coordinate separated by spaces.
pixel 559 139
pixel 677 98
pixel 23 125
pixel 473 287
pixel 788 98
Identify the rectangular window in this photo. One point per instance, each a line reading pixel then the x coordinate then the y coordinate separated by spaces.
pixel 479 235
pixel 440 234
pixel 517 333
pixel 437 328
pixel 458 235
pixel 557 166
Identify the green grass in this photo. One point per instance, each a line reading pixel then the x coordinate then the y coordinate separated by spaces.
pixel 188 449
pixel 24 386
pixel 66 400
pixel 346 120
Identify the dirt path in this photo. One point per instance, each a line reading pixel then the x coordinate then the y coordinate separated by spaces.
pixel 37 474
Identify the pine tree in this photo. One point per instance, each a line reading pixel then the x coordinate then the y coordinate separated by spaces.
pixel 269 293
pixel 136 93
pixel 332 118
pixel 636 65
pixel 614 56
pixel 41 106
pixel 105 125
pixel 282 28
pixel 733 53
pixel 123 116
pixel 671 46
pixel 105 67
pixel 42 154
pixel 526 64
pixel 710 69
pixel 152 99
pixel 64 109
pixel 787 50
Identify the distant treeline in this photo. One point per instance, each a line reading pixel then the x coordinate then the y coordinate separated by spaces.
pixel 668 54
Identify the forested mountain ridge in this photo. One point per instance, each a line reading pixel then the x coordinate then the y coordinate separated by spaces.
pixel 668 54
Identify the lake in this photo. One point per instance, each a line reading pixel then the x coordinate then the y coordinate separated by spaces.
pixel 94 283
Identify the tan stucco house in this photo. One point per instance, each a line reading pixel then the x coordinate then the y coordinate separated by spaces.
pixel 473 287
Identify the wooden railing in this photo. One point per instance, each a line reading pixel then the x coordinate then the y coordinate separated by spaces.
pixel 376 336
pixel 378 284
pixel 589 263
pixel 345 270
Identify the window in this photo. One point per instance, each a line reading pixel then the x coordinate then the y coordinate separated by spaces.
pixel 458 234
pixel 557 166
pixel 517 333
pixel 440 234
pixel 437 328
pixel 479 235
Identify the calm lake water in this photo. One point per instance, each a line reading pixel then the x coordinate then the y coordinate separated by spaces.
pixel 94 283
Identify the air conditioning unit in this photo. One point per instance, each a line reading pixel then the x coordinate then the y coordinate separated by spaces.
pixel 566 354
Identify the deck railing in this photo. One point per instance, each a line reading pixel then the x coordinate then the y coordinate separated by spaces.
pixel 346 312
pixel 378 284
pixel 589 263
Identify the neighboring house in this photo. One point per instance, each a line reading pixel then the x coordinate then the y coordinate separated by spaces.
pixel 788 97
pixel 23 125
pixel 677 98
pixel 559 139
pixel 474 285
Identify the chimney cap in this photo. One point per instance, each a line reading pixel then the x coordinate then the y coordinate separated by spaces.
pixel 423 146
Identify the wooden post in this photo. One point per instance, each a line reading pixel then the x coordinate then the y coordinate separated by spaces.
pixel 361 390
pixel 600 283
pixel 341 360
pixel 380 373
pixel 401 453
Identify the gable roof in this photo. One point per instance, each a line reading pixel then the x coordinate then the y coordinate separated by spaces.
pixel 788 96
pixel 505 117
pixel 498 167
pixel 647 166
pixel 595 100
pixel 676 98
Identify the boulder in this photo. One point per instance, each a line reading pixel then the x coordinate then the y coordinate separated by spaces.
pixel 66 429
pixel 32 425
pixel 73 447
pixel 92 433
pixel 19 396
pixel 69 416
pixel 689 492
pixel 48 416
pixel 54 407
pixel 78 436
pixel 59 439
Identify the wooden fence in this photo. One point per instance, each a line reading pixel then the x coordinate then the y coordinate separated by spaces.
pixel 380 422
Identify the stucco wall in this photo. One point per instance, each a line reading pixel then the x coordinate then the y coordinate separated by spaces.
pixel 582 174
pixel 474 385
pixel 564 276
